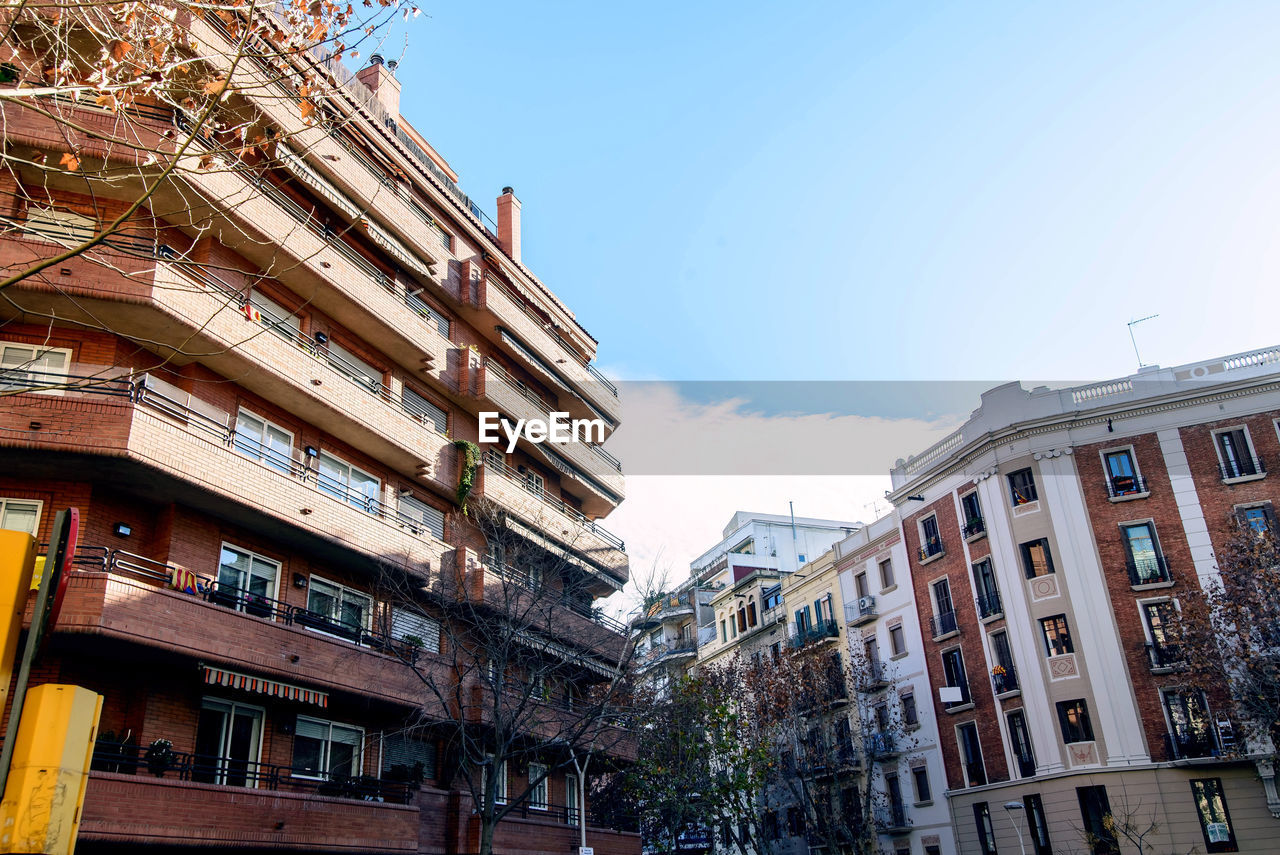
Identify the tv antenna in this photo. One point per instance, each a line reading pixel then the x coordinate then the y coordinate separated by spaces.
pixel 1132 324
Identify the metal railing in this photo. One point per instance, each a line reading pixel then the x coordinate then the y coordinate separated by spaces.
pixel 1148 571
pixel 1125 485
pixel 1026 765
pixel 861 611
pixel 943 624
pixel 893 817
pixel 1004 682
pixel 1188 745
pixel 975 772
pixel 1165 656
pixel 974 526
pixel 128 759
pixel 573 513
pixel 989 605
pixel 930 549
pixel 533 583
pixel 820 631
pixel 882 743
pixel 1242 467
pixel 872 676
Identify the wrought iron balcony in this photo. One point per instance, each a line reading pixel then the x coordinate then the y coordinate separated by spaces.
pixel 943 624
pixel 1026 765
pixel 974 526
pixel 989 605
pixel 930 549
pixel 1004 678
pixel 1242 468
pixel 1119 486
pixel 1148 571
pixel 893 819
pixel 882 744
pixel 863 611
pixel 821 631
pixel 1165 657
pixel 1190 745
pixel 873 677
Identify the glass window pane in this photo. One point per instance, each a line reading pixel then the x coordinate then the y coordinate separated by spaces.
pixel 20 516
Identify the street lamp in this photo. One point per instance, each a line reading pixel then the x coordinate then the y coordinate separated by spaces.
pixel 1009 808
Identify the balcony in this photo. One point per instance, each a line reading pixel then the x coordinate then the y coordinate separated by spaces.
pixel 1190 745
pixel 1004 681
pixel 883 745
pixel 1146 572
pixel 975 528
pixel 893 819
pixel 820 633
pixel 975 773
pixel 872 677
pixel 1124 487
pixel 587 464
pixel 119 596
pixel 146 437
pixel 136 810
pixel 1243 469
pixel 931 550
pixel 561 522
pixel 1026 765
pixel 861 612
pixel 667 607
pixel 966 699
pixel 1165 658
pixel 989 606
pixel 943 626
pixel 671 651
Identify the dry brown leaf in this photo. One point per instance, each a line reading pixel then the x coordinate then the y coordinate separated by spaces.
pixel 70 161
pixel 120 49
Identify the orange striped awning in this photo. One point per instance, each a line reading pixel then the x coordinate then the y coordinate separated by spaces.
pixel 261 685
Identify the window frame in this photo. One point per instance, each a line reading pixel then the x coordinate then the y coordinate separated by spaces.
pixel 242 605
pixel 887 581
pixel 1138 485
pixel 1033 491
pixel 896 633
pixel 1061 637
pixel 327 772
pixel 962 749
pixel 542 788
pixel 917 771
pixel 5 501
pixel 1037 824
pixel 37 352
pixel 1259 471
pixel 1084 726
pixel 348 492
pixel 986 830
pixel 265 455
pixel 1228 845
pixel 342 590
pixel 1024 554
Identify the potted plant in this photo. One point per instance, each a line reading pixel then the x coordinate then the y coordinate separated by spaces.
pixel 159 757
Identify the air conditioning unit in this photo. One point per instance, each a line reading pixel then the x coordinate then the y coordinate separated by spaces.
pixel 866 604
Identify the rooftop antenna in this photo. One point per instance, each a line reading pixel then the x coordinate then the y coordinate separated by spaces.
pixel 1132 324
pixel 874 505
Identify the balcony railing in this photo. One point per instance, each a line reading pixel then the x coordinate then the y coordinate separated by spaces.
pixel 1026 765
pixel 882 744
pixel 533 583
pixel 893 819
pixel 129 759
pixel 965 697
pixel 502 469
pixel 931 549
pixel 975 772
pixel 1165 657
pixel 1119 486
pixel 820 631
pixel 974 526
pixel 1148 571
pixel 943 624
pixel 989 605
pixel 1006 681
pixel 1242 468
pixel 1189 745
pixel 863 611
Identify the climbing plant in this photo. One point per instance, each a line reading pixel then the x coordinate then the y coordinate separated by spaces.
pixel 467 477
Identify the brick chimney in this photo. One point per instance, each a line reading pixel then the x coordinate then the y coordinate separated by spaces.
pixel 509 222
pixel 380 79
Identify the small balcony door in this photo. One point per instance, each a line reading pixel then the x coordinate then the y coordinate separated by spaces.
pixel 228 742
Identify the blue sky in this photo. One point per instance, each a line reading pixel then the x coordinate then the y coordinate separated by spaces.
pixel 979 191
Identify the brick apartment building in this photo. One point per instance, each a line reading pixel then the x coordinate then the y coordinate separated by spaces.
pixel 1049 538
pixel 264 457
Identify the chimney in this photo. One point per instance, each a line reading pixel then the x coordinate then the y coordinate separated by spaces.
pixel 509 222
pixel 379 78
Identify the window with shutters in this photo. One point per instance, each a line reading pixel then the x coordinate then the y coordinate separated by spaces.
pixel 1235 455
pixel 259 439
pixel 409 626
pixel 407 759
pixel 64 228
pixel 1036 559
pixel 34 368
pixel 422 517
pixel 327 749
pixel 425 310
pixel 428 413
pixel 358 370
pixel 20 515
pixel 276 317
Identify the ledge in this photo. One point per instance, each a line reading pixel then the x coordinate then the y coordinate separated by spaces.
pixel 976 536
pixel 934 557
pixel 1152 586
pixel 1244 479
pixel 1128 497
pixel 965 707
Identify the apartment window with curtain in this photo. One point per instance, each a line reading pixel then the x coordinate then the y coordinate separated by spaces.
pixel 1022 487
pixel 1036 559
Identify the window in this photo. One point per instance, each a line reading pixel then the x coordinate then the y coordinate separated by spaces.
pixel 1146 565
pixel 326 749
pixel 228 743
pixel 407 759
pixel 1236 455
pixel 920 774
pixel 886 574
pixel 1057 636
pixel 61 227
pixel 944 620
pixel 1122 474
pixel 972 510
pixel 953 670
pixel 772 597
pixel 1260 519
pixel 971 754
pixel 1073 718
pixel 339 608
pixel 1038 825
pixel 910 714
pixel 347 483
pixel 20 515
pixel 1022 487
pixel 537 786
pixel 1036 559
pixel 571 798
pixel 1020 739
pixel 419 305
pixel 29 366
pixel 535 483
pixel 499 771
pixel 986 834
pixel 276 317
pixel 1190 728
pixel 421 516
pixel 803 620
pixel 930 541
pixel 1095 807
pixel 988 593
pixel 246 580
pixel 354 367
pixel 751 613
pixel 897 640
pixel 1158 617
pixel 260 440
pixel 724 634
pixel 860 585
pixel 420 408
pixel 1215 821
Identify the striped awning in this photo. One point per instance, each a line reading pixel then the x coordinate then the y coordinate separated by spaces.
pixel 261 685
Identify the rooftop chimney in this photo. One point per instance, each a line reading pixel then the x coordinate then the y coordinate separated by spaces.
pixel 509 223
pixel 380 79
